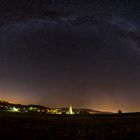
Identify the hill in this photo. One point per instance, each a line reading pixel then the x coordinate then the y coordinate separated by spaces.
pixel 6 105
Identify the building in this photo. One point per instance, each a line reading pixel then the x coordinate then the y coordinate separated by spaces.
pixel 70 111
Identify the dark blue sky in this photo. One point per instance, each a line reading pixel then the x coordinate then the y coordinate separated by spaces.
pixel 87 55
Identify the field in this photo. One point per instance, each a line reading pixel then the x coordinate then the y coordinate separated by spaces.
pixel 77 127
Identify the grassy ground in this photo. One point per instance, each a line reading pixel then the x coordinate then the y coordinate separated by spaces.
pixel 80 127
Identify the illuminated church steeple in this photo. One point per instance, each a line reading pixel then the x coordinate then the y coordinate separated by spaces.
pixel 70 109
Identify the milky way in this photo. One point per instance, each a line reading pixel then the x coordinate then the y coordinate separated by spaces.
pixel 89 57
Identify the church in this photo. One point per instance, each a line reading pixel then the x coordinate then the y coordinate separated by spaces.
pixel 70 111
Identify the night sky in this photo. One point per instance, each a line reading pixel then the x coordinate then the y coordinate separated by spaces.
pixel 85 53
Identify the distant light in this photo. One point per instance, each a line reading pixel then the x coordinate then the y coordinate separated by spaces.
pixel 15 109
pixel 70 112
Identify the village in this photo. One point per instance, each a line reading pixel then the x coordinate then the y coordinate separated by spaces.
pixel 11 107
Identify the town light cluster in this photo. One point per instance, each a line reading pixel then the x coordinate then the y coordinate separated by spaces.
pixel 11 107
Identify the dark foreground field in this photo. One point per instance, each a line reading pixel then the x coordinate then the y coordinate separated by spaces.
pixel 81 127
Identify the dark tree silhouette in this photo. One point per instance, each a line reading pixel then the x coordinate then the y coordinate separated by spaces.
pixel 119 111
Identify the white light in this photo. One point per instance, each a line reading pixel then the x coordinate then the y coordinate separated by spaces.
pixel 15 109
